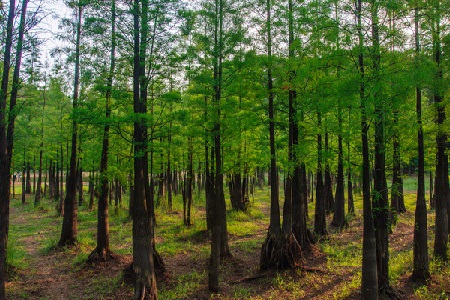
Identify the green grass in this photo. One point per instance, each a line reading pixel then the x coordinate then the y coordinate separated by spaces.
pixel 246 230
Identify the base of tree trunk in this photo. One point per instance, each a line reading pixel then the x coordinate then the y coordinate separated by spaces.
pixel 11 272
pixel 158 262
pixel 160 269
pixel 97 256
pixel 422 277
pixel 280 252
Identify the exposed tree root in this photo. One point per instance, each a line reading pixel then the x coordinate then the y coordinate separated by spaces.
pixel 97 256
pixel 254 277
pixel 280 252
pixel 394 294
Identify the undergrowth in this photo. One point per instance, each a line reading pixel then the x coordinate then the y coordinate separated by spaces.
pixel 338 276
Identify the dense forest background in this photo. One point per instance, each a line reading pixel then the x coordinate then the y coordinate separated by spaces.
pixel 327 102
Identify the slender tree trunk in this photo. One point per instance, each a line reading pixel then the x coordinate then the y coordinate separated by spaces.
pixel 23 181
pixel 421 269
pixel 28 178
pixel 442 185
pixel 369 278
pixel 143 220
pixel 320 226
pixel 339 205
pixel 432 198
pixel 397 199
pixel 5 156
pixel 34 173
pixel 275 252
pixel 60 208
pixel 209 177
pixel 80 181
pixel 380 193
pixel 219 207
pixel 102 250
pixel 188 186
pixel 328 185
pixel 295 230
pixel 169 171
pixel 339 209
pixel 37 196
pixel 70 223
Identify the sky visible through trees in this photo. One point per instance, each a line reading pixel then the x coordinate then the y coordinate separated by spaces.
pixel 325 101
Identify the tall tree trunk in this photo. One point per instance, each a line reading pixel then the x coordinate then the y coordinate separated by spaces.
pixel 34 173
pixel 328 185
pixel 442 185
pixel 295 230
pixel 320 226
pixel 275 252
pixel 28 178
pixel 188 186
pixel 60 208
pixel 219 207
pixel 369 278
pixel 80 179
pixel 24 167
pixel 339 209
pixel 37 196
pixel 70 223
pixel 209 177
pixel 339 205
pixel 421 269
pixel 4 155
pixel 57 193
pixel 350 200
pixel 397 199
pixel 102 249
pixel 143 221
pixel 380 193
pixel 432 198
pixel 169 170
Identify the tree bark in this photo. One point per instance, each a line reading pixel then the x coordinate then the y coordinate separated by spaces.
pixel 421 269
pixel 369 278
pixel 442 185
pixel 320 226
pixel 5 156
pixel 38 195
pixel 380 192
pixel 70 223
pixel 102 249
pixel 397 199
pixel 143 221
pixel 328 185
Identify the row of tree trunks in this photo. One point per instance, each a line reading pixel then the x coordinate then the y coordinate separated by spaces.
pixel 239 192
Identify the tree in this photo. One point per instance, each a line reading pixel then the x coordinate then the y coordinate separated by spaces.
pixel 339 210
pixel 39 192
pixel 102 250
pixel 7 128
pixel 320 226
pixel 369 279
pixel 442 184
pixel 421 271
pixel 70 222
pixel 280 249
pixel 380 191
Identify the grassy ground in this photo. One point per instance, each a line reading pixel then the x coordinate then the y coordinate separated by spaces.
pixel 332 270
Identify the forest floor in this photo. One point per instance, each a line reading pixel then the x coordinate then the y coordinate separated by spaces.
pixel 331 270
